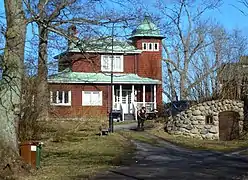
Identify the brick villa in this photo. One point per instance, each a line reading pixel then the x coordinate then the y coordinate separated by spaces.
pixel 82 86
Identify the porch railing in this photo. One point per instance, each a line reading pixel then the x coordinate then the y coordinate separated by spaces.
pixel 149 106
pixel 117 106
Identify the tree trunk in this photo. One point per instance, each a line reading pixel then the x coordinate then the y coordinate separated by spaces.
pixel 183 90
pixel 42 100
pixel 13 71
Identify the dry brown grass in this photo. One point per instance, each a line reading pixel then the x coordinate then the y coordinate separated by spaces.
pixel 199 144
pixel 72 150
pixel 140 136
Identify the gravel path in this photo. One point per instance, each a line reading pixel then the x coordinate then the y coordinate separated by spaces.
pixel 168 161
pixel 125 126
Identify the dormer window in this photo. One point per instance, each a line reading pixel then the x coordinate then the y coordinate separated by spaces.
pixel 150 46
pixel 117 63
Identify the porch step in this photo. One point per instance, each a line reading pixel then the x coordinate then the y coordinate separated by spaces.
pixel 128 117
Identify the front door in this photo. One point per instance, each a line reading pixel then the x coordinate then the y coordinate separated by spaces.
pixel 126 101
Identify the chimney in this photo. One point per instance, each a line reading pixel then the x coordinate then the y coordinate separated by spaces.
pixel 72 37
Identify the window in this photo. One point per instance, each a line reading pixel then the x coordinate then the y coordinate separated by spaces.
pixel 60 98
pixel 92 98
pixel 209 120
pixel 117 63
pixel 144 45
pixel 156 46
pixel 150 46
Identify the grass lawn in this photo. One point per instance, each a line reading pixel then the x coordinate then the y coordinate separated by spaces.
pixel 140 136
pixel 199 144
pixel 79 154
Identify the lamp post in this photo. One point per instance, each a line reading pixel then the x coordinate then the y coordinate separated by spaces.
pixel 111 124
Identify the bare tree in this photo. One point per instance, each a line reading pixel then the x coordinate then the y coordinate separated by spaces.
pixel 13 69
pixel 243 9
pixel 53 18
pixel 194 48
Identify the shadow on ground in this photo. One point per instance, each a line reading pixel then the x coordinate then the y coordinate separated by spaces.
pixel 169 161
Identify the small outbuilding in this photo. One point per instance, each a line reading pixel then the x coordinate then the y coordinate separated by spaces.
pixel 220 119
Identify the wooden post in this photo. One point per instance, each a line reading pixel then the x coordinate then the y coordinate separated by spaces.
pixel 132 96
pixel 155 96
pixel 113 96
pixel 144 95
pixel 120 94
pixel 57 97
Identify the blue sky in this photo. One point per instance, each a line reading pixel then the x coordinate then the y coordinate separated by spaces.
pixel 230 16
pixel 227 15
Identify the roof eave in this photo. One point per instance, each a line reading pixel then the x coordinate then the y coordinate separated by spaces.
pixel 147 36
pixel 90 82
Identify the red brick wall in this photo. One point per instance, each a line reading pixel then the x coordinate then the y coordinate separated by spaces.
pixel 86 62
pixel 147 64
pixel 130 63
pixel 76 109
pixel 92 63
pixel 150 62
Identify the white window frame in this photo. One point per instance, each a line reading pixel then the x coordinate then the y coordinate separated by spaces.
pixel 99 103
pixel 57 103
pixel 108 57
pixel 144 46
pixel 157 46
pixel 150 44
pixel 147 45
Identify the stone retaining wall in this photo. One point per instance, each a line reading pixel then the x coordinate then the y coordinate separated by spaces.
pixel 192 122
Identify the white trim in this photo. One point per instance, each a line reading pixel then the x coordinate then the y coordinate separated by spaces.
pixel 132 95
pixel 150 46
pixel 157 46
pixel 155 96
pixel 120 94
pixel 109 52
pixel 113 96
pixel 92 103
pixel 69 97
pixel 144 46
pixel 144 95
pixel 57 103
pixel 117 59
pixel 147 45
pixel 85 82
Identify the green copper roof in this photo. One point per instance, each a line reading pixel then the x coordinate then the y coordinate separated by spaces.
pixel 99 78
pixel 103 45
pixel 147 29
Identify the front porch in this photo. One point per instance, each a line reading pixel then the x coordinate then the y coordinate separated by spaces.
pixel 128 99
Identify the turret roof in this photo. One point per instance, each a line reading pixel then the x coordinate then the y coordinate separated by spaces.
pixel 146 29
